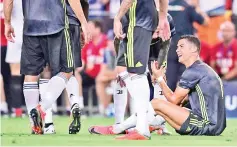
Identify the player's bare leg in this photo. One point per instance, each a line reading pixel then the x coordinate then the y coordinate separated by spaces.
pixel 173 114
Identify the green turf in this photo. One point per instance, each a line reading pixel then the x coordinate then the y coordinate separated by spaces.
pixel 15 131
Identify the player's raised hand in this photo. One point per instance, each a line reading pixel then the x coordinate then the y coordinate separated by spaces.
pixel 118 31
pixel 9 33
pixel 86 32
pixel 163 29
pixel 157 72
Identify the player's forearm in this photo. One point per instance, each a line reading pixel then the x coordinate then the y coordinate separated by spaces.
pixel 125 5
pixel 7 6
pixel 77 8
pixel 162 57
pixel 163 8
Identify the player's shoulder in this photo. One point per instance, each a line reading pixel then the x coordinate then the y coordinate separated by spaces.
pixel 195 69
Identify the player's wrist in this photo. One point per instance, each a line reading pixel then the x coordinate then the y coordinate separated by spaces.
pixel 7 22
pixel 159 79
pixel 117 18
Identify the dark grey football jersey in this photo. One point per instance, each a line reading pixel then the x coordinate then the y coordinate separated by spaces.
pixel 143 13
pixel 44 17
pixel 206 95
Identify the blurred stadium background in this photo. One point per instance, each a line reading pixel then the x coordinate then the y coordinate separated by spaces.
pixel 99 107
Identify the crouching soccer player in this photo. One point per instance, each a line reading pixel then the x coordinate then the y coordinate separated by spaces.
pixel 204 89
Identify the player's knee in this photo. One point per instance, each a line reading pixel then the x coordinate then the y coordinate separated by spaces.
pixel 67 75
pixel 157 104
pixel 29 78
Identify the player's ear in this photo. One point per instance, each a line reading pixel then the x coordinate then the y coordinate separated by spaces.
pixel 193 49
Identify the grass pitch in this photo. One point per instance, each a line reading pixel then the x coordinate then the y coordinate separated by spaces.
pixel 16 132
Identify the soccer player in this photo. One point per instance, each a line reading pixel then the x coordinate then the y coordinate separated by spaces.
pixel 73 90
pixel 204 89
pixel 45 25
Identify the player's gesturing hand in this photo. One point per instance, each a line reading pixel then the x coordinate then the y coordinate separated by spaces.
pixel 163 29
pixel 156 73
pixel 118 31
pixel 9 33
pixel 86 32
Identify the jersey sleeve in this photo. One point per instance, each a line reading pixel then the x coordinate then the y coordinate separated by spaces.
pixel 189 79
pixel 172 27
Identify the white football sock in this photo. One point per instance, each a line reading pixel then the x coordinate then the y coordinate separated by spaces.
pixel 132 120
pixel 54 90
pixel 138 88
pixel 127 124
pixel 31 94
pixel 120 102
pixel 49 116
pixel 43 86
pixel 132 106
pixel 157 120
pixel 73 92
pixel 158 92
pixel 153 119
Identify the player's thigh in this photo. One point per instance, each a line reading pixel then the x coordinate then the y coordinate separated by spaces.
pixel 32 56
pixel 76 45
pixel 137 50
pixel 60 52
pixel 176 113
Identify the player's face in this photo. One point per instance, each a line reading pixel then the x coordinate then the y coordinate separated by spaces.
pixel 183 50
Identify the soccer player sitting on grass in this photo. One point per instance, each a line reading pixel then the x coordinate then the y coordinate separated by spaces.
pixel 204 89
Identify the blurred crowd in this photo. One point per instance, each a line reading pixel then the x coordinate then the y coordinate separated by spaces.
pixel 215 25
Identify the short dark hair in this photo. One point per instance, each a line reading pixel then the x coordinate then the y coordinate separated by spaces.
pixel 192 39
